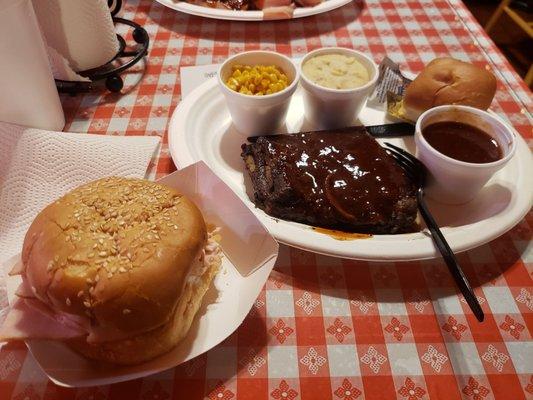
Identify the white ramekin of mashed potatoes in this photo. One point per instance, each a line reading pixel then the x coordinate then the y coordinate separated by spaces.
pixel 337 82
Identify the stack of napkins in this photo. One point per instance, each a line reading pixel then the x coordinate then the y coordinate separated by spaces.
pixel 37 167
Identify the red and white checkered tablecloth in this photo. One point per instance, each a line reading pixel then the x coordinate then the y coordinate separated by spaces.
pixel 326 328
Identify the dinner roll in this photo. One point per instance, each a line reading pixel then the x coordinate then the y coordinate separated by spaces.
pixel 449 81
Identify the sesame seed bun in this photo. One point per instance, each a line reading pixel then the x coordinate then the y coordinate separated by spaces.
pixel 148 345
pixel 449 81
pixel 120 252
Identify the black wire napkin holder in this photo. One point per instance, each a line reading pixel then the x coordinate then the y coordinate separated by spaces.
pixel 109 71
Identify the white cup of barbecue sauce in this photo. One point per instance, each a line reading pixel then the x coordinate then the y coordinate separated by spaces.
pixel 336 83
pixel 462 147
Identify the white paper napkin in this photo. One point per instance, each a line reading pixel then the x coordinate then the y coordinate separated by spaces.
pixel 61 68
pixel 193 76
pixel 37 167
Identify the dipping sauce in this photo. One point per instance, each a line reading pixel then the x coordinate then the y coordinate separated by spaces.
pixel 462 142
pixel 336 71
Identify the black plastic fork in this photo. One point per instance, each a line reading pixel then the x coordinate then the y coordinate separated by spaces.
pixel 416 171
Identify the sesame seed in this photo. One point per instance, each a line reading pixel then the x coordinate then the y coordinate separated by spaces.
pixel 110 275
pixel 146 250
pixel 89 281
pixel 149 237
pixel 90 255
pixel 126 311
pixel 122 270
pixel 67 239
pixel 97 278
pixel 176 227
pixel 68 301
pixel 101 241
pixel 87 304
pixel 80 293
pixel 102 253
pixel 95 246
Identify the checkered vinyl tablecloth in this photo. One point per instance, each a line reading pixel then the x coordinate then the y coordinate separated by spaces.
pixel 326 328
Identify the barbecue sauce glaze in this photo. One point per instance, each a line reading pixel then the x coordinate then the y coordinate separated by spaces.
pixel 348 177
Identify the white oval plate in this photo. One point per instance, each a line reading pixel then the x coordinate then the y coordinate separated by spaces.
pixel 201 129
pixel 234 15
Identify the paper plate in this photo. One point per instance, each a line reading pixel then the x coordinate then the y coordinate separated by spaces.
pixel 235 15
pixel 201 129
pixel 250 254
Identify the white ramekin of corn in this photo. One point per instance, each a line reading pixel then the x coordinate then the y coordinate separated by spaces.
pixel 258 86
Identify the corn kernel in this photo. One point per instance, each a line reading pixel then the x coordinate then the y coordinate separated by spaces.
pixel 257 80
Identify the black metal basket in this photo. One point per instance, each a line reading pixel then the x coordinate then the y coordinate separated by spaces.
pixel 109 71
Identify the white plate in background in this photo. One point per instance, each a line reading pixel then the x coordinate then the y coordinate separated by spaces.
pixel 201 129
pixel 257 15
